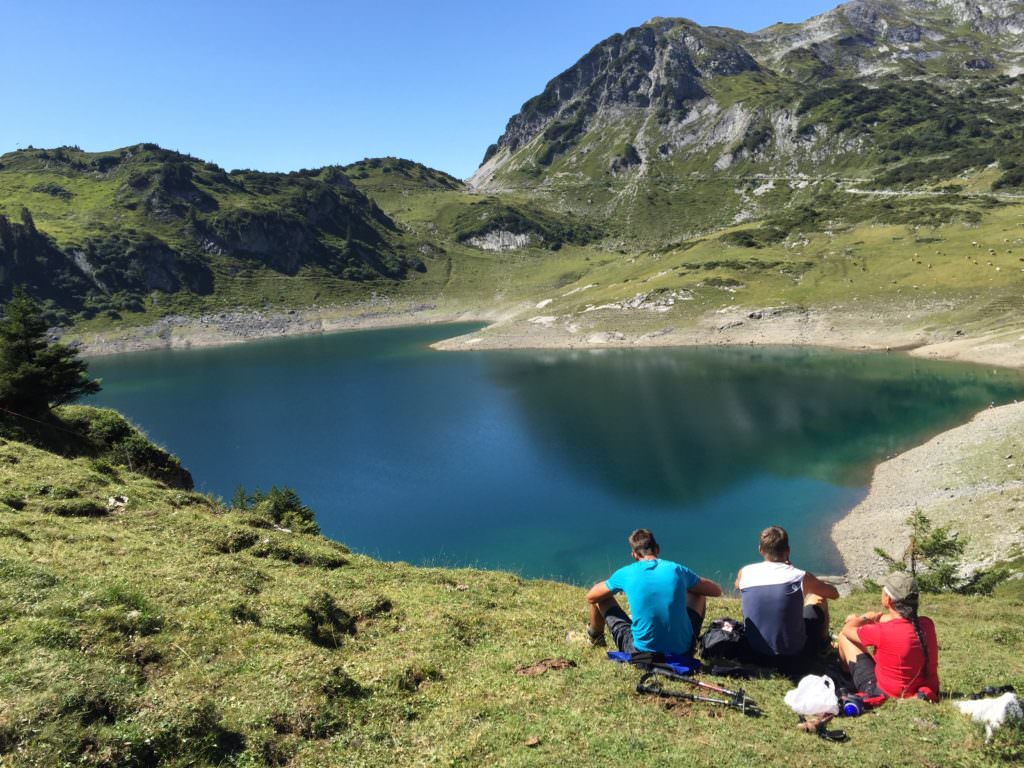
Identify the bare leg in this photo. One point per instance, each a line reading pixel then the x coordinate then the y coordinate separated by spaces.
pixel 849 650
pixel 822 604
pixel 597 612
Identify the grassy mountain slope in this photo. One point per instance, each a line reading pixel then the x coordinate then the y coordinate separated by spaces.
pixel 132 228
pixel 174 631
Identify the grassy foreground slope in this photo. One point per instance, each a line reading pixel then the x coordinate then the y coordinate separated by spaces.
pixel 173 631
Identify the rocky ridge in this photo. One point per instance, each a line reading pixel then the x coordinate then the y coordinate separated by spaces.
pixel 670 100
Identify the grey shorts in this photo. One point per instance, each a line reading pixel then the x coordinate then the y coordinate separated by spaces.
pixel 621 628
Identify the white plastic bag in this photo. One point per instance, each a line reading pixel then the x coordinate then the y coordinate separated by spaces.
pixel 814 695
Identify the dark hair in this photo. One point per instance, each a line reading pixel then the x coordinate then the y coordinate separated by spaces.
pixel 642 542
pixel 907 609
pixel 774 543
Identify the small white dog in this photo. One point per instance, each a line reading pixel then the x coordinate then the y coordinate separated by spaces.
pixel 992 712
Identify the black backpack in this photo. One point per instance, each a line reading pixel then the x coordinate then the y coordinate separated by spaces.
pixel 725 639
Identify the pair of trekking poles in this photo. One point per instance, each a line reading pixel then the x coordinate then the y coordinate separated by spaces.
pixel 663 682
pixel 658 682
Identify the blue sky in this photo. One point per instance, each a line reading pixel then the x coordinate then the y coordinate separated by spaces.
pixel 287 85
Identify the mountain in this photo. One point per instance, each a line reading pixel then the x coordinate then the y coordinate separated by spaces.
pixel 108 231
pixel 672 129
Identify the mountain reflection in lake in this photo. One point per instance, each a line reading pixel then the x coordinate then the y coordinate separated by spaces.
pixel 542 462
pixel 682 425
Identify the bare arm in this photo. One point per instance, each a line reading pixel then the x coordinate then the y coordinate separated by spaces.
pixel 853 621
pixel 815 586
pixel 707 588
pixel 739 575
pixel 598 592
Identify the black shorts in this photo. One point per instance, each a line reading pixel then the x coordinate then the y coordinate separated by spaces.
pixel 621 628
pixel 814 624
pixel 862 670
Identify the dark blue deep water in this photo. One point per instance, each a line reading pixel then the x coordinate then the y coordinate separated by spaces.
pixel 543 462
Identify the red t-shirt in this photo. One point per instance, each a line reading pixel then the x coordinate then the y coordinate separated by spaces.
pixel 899 659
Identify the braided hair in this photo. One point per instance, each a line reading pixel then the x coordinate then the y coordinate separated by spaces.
pixel 907 609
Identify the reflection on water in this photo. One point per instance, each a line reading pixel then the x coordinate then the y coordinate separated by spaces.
pixel 542 462
pixel 682 425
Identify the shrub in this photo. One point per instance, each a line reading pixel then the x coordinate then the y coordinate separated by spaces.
pixel 409 680
pixel 1014 177
pixel 129 612
pixel 743 238
pixel 281 506
pixel 243 613
pixel 13 533
pixel 111 440
pixel 339 685
pixel 61 492
pixel 934 557
pixel 197 730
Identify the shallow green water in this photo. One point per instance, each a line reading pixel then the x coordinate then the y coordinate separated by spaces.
pixel 543 462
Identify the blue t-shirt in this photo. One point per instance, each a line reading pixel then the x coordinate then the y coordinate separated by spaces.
pixel 656 590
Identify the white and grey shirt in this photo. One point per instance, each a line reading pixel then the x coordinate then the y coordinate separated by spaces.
pixel 773 608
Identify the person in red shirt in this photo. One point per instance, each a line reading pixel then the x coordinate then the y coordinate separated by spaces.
pixel 906 658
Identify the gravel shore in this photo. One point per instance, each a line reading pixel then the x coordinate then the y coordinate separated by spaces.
pixel 969 478
pixel 224 328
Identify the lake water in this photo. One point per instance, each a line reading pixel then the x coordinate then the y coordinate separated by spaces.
pixel 543 462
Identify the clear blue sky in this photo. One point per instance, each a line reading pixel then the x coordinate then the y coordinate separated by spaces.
pixel 280 85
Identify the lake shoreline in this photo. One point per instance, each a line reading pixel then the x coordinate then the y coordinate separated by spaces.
pixel 870 523
pixel 221 329
pixel 734 326
pixel 965 477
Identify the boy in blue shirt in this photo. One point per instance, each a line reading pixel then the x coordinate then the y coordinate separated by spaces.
pixel 667 600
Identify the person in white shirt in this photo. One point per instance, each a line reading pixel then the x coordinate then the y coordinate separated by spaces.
pixel 785 609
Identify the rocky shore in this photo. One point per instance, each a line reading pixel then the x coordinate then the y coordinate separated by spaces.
pixel 970 478
pixel 222 328
pixel 840 328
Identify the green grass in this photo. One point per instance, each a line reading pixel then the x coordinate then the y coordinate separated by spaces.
pixel 140 637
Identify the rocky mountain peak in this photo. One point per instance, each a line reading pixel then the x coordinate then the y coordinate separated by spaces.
pixel 670 87
pixel 658 64
pixel 658 67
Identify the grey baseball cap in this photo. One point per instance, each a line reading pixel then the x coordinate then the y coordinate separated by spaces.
pixel 900 585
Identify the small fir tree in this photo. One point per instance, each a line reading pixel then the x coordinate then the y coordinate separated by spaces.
pixel 933 556
pixel 35 373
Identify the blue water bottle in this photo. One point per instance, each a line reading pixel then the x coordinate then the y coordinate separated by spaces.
pixel 853 706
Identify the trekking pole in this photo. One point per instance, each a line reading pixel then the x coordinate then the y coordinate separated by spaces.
pixel 666 672
pixel 650 683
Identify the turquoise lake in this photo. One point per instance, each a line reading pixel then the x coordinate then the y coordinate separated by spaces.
pixel 542 462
